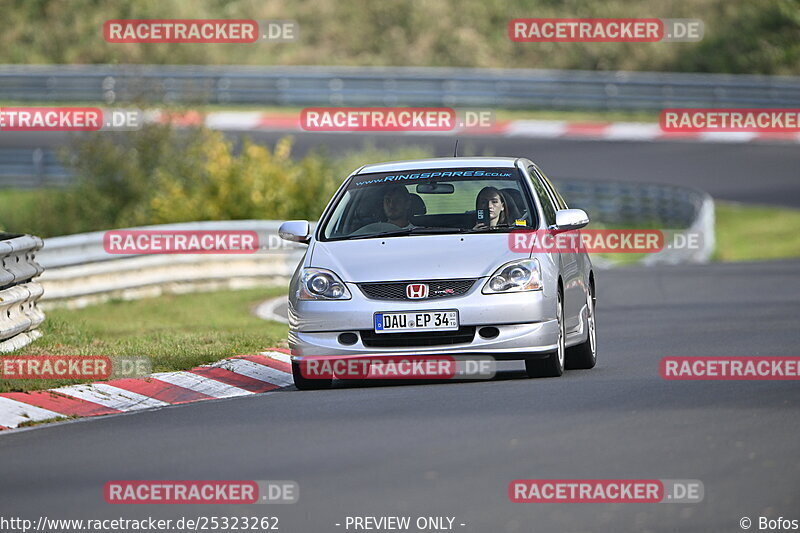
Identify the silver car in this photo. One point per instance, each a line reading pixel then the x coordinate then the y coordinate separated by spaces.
pixel 416 258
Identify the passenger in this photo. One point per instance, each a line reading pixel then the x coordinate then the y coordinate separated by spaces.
pixel 492 208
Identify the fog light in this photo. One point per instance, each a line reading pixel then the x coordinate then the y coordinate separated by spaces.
pixel 489 332
pixel 348 338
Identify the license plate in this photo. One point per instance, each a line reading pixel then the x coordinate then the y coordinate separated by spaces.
pixel 408 321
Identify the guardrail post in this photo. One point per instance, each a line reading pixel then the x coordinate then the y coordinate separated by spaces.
pixel 38 166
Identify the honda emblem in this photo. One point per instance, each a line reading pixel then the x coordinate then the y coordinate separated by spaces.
pixel 416 290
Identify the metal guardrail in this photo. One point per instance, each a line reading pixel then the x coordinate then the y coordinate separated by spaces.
pixel 80 272
pixel 680 209
pixel 624 203
pixel 19 314
pixel 32 167
pixel 308 85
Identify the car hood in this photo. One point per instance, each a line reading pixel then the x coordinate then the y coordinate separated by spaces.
pixel 414 257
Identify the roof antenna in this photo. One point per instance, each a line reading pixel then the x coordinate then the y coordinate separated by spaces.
pixel 455 150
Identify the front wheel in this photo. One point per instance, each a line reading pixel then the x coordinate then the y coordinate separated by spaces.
pixel 552 365
pixel 304 383
pixel 584 355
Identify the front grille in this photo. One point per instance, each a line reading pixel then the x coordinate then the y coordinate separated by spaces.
pixel 371 339
pixel 396 290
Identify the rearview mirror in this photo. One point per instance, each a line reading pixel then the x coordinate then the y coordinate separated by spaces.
pixel 570 219
pixel 295 231
pixel 435 188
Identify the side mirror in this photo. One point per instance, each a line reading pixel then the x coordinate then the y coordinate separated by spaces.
pixel 571 219
pixel 295 231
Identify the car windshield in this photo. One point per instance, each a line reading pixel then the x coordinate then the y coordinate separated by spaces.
pixel 430 201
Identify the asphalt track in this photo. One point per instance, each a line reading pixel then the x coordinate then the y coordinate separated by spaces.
pixel 450 449
pixel 755 172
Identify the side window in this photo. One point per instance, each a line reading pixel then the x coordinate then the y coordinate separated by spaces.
pixel 557 199
pixel 544 198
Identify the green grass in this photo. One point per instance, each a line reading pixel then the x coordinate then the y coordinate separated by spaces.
pixel 750 233
pixel 19 209
pixel 176 332
pixel 621 259
pixel 34 423
pixel 742 233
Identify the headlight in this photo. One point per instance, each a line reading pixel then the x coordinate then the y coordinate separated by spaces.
pixel 321 284
pixel 516 276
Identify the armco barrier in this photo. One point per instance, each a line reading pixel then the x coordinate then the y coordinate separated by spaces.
pixel 32 167
pixel 379 86
pixel 615 204
pixel 80 272
pixel 625 203
pixel 20 315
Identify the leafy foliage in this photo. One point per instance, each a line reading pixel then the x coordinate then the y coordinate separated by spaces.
pixel 741 36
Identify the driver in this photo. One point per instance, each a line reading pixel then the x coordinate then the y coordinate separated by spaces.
pixel 396 207
pixel 396 201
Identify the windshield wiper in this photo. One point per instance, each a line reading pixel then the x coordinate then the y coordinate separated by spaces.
pixel 436 229
pixel 392 233
pixel 492 228
pixel 430 230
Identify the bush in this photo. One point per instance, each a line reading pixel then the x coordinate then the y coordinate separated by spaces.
pixel 162 175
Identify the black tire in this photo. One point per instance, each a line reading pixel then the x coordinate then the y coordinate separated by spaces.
pixel 551 366
pixel 304 383
pixel 584 355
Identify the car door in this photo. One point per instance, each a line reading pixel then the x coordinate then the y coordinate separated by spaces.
pixel 574 297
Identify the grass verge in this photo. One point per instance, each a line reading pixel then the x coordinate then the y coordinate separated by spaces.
pixel 176 332
pixel 742 233
pixel 751 233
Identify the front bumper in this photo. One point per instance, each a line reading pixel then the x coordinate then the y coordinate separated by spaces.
pixel 525 324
